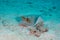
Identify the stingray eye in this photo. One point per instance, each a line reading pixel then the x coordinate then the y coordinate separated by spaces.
pixel 28 20
pixel 34 31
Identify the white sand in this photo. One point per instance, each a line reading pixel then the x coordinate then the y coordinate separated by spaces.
pixel 8 35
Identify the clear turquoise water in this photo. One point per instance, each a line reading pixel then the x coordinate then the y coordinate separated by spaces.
pixel 31 7
pixel 49 10
pixel 44 8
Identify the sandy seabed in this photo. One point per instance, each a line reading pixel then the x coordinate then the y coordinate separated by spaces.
pixel 9 35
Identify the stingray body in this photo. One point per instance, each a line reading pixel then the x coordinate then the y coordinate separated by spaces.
pixel 36 24
pixel 34 21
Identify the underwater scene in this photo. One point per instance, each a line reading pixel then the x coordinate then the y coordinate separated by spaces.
pixel 29 19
